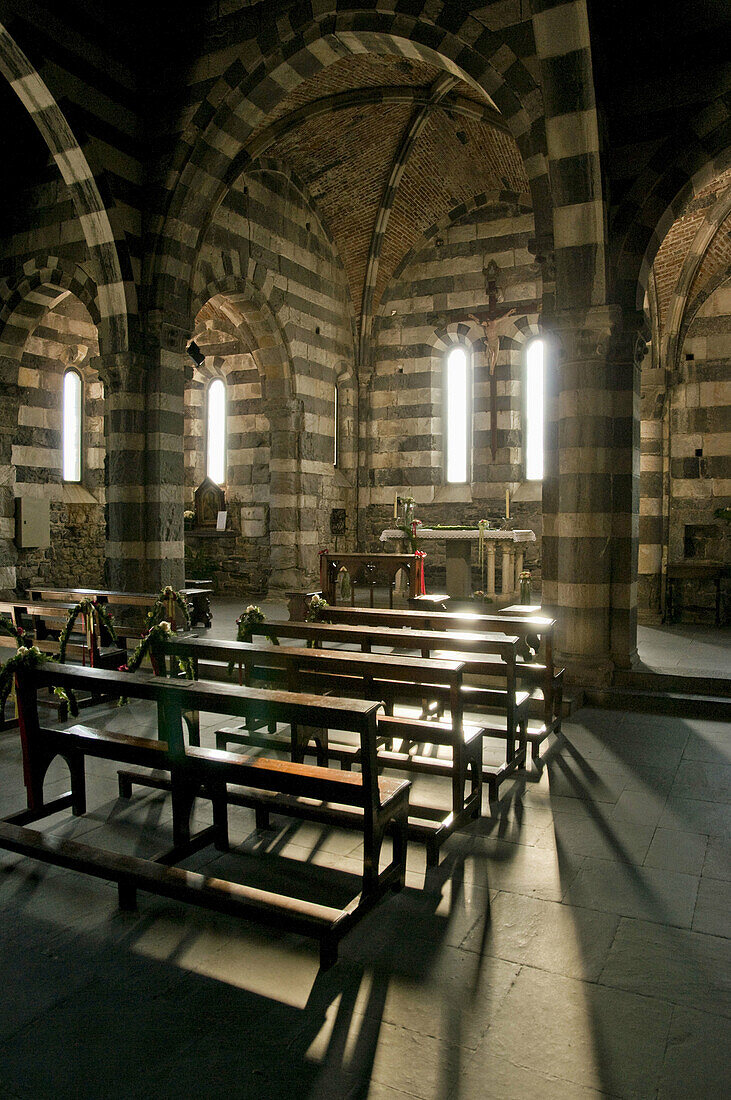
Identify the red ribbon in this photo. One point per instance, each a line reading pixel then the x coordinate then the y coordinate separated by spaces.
pixel 325 551
pixel 420 581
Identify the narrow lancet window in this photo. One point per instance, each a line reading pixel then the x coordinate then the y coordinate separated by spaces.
pixel 457 390
pixel 216 436
pixel 534 411
pixel 336 425
pixel 72 426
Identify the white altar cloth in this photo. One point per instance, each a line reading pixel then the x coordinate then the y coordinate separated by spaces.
pixel 459 552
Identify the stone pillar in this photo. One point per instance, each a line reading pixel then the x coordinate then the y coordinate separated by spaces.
pixel 286 422
pixel 164 467
pixel 124 434
pixel 591 491
pixel 8 433
pixel 144 480
pixel 506 580
pixel 490 548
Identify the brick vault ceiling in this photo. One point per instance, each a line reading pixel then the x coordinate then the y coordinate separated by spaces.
pixel 673 251
pixel 346 159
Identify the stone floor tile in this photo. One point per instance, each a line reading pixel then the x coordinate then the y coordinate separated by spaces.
pixel 694 815
pixel 718 859
pixel 600 836
pixel 525 870
pixel 561 938
pixel 702 745
pixel 507 1079
pixel 677 851
pixel 708 781
pixel 696 1062
pixel 673 964
pixel 713 907
pixel 570 1029
pixel 646 892
pixel 639 807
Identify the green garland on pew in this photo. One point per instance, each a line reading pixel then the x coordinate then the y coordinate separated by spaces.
pixel 153 644
pixel 31 657
pixel 250 618
pixel 88 606
pixel 160 609
pixel 10 630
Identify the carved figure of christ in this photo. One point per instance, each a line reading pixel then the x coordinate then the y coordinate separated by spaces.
pixel 490 323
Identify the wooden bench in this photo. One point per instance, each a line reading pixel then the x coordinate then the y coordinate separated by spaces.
pixel 198 599
pixel 377 676
pixel 367 569
pixel 535 632
pixel 287 787
pixel 484 647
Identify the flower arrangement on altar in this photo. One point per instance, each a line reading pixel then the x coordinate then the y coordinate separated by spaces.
pixel 188 517
pixel 26 657
pixel 95 615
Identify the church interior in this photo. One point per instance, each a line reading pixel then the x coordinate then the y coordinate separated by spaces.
pixel 284 281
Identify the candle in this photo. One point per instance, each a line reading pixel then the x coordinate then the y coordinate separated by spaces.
pixel 395 507
pixel 507 503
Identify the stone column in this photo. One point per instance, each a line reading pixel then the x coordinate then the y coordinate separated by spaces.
pixel 164 467
pixel 8 433
pixel 490 548
pixel 506 580
pixel 124 434
pixel 286 422
pixel 144 463
pixel 591 492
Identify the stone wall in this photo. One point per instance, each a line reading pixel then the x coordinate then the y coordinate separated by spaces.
pixel 276 324
pixel 65 336
pixel 700 446
pixel 425 310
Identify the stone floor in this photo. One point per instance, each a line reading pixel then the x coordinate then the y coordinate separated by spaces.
pixel 575 942
pixel 686 648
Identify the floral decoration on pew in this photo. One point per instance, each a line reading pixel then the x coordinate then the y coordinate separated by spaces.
pixel 10 630
pixel 317 614
pixel 95 616
pixel 31 657
pixel 153 644
pixel 245 623
pixel 164 609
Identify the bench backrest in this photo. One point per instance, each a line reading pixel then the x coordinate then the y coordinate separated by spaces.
pixel 173 697
pixel 503 645
pixel 297 661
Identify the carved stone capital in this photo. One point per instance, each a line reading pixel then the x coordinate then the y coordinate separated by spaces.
pixel 600 333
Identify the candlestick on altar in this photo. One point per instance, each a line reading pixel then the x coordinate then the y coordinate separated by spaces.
pixel 395 507
pixel 507 503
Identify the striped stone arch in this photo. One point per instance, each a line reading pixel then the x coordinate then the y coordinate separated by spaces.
pixel 43 283
pixel 669 183
pixel 113 293
pixel 262 73
pixel 253 300
pixel 678 314
pixel 457 332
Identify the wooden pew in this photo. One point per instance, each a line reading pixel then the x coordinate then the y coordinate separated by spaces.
pixel 287 787
pixel 366 569
pixel 483 648
pixel 536 633
pixel 198 599
pixel 377 676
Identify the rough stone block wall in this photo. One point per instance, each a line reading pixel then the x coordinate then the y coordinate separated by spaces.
pixel 425 310
pixel 64 337
pixel 701 421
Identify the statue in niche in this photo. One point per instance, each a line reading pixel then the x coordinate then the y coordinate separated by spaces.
pixel 210 499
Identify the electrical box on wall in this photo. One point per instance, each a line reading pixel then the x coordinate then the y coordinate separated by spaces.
pixel 32 522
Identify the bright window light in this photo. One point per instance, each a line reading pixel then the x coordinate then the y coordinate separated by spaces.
pixel 534 412
pixel 457 413
pixel 336 417
pixel 71 426
pixel 216 449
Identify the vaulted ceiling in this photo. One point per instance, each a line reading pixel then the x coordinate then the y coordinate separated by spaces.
pixel 388 147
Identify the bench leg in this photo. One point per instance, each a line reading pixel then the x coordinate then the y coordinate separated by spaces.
pixel 261 817
pixel 400 838
pixel 328 953
pixel 77 771
pixel 220 816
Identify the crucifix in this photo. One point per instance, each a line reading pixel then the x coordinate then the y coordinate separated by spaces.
pixel 489 322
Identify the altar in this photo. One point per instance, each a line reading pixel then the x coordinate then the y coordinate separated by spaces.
pixel 458 544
